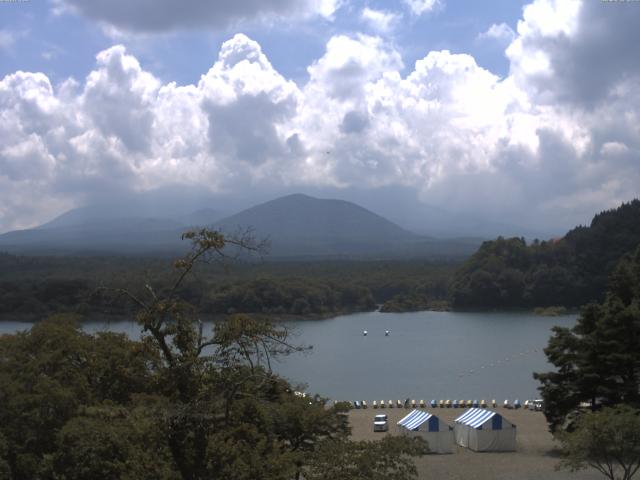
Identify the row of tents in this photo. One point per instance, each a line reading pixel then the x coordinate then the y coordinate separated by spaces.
pixel 477 429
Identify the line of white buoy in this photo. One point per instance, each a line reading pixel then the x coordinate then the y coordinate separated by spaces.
pixel 499 362
pixel 363 404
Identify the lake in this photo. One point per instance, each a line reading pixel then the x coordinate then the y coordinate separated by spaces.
pixel 448 355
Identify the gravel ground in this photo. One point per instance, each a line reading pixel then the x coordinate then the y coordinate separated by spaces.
pixel 535 458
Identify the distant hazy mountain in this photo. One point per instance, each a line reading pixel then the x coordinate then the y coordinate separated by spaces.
pixel 441 223
pixel 108 228
pixel 296 226
pixel 300 225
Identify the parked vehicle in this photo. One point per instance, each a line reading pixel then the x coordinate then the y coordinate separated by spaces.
pixel 380 423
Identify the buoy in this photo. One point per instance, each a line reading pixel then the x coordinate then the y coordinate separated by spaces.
pixel 364 332
pixel 386 333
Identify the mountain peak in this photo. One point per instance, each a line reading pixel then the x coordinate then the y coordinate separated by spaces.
pixel 323 226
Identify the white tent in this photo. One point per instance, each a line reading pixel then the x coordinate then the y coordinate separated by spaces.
pixel 485 431
pixel 437 433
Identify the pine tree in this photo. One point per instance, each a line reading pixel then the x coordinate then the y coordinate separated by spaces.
pixel 598 360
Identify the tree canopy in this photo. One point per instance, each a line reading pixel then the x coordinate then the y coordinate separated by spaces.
pixel 608 440
pixel 180 403
pixel 571 271
pixel 598 360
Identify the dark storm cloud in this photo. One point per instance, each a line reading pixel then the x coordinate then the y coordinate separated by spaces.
pixel 163 15
pixel 602 54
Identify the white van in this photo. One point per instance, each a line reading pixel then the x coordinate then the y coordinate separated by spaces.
pixel 380 423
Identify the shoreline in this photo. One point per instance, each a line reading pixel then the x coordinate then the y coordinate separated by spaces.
pixel 535 458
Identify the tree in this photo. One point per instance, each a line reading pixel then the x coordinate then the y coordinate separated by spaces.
pixel 180 403
pixel 607 440
pixel 5 470
pixel 387 459
pixel 598 360
pixel 112 443
pixel 49 373
pixel 303 423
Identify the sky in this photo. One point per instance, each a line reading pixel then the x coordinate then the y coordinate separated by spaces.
pixel 522 112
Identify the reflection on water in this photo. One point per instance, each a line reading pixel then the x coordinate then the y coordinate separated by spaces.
pixel 428 355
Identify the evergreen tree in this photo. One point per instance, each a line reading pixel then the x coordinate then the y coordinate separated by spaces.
pixel 598 360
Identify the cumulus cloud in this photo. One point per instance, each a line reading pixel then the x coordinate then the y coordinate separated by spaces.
pixel 419 7
pixel 501 31
pixel 577 52
pixel 523 147
pixel 380 20
pixel 163 15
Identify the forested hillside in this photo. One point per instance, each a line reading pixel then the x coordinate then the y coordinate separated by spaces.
pixel 572 271
pixel 33 287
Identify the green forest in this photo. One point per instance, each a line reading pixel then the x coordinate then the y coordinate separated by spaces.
pixel 34 287
pixel 502 274
pixel 570 271
pixel 180 403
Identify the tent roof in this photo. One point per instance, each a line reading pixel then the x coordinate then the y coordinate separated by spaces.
pixel 476 417
pixel 414 419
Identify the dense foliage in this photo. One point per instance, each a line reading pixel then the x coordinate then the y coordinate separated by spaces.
pixel 598 360
pixel 181 403
pixel 33 287
pixel 572 271
pixel 608 440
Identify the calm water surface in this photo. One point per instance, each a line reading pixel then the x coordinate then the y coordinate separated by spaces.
pixel 426 355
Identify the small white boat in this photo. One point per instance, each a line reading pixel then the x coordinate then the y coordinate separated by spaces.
pixel 364 332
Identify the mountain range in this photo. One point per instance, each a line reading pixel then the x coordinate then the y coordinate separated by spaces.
pixel 295 226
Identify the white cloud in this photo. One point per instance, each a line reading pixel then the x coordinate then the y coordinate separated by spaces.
pixel 419 7
pixel 6 39
pixel 450 129
pixel 502 32
pixel 380 20
pixel 9 37
pixel 163 15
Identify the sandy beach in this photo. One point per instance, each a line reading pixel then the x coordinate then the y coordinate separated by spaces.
pixel 535 458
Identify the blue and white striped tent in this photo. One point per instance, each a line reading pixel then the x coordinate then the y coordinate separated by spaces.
pixel 437 433
pixel 485 430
